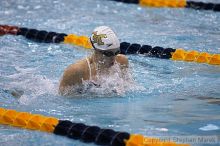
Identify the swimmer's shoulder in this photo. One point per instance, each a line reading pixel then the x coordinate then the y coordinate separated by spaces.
pixel 76 67
pixel 73 74
pixel 122 59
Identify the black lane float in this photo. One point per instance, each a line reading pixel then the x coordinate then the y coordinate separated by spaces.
pixel 174 4
pixel 125 47
pixel 78 131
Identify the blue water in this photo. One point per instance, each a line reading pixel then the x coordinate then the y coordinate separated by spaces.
pixel 168 98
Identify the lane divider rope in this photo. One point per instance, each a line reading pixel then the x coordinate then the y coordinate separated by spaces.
pixel 170 53
pixel 78 131
pixel 27 120
pixel 163 3
pixel 82 41
pixel 125 47
pixel 174 4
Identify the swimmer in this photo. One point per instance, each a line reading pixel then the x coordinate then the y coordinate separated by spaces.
pixel 106 48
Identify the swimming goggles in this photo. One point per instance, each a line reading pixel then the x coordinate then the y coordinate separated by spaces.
pixel 110 53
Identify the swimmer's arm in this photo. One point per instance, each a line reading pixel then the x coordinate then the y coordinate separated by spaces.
pixel 71 76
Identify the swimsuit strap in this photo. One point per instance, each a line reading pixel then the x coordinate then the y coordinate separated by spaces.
pixel 90 71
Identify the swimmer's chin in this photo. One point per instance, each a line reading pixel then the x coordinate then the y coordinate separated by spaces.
pixel 71 91
pixel 81 91
pixel 66 91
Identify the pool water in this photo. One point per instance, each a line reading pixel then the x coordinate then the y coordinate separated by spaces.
pixel 161 98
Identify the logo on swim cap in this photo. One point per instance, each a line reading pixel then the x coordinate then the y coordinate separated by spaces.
pixel 103 38
pixel 98 38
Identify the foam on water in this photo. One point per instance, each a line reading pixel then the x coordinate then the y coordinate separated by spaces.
pixel 31 83
pixel 116 81
pixel 209 127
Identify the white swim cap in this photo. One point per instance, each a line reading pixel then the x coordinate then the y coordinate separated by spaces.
pixel 103 38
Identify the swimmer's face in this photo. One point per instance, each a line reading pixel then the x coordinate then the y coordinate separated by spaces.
pixel 107 61
pixel 106 57
pixel 110 53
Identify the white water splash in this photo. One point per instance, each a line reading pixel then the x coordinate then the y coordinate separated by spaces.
pixel 162 129
pixel 115 82
pixel 209 127
pixel 31 83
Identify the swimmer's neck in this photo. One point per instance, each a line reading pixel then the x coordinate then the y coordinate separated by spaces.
pixel 102 61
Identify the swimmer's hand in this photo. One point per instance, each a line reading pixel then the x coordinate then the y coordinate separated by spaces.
pixel 122 60
pixel 15 92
